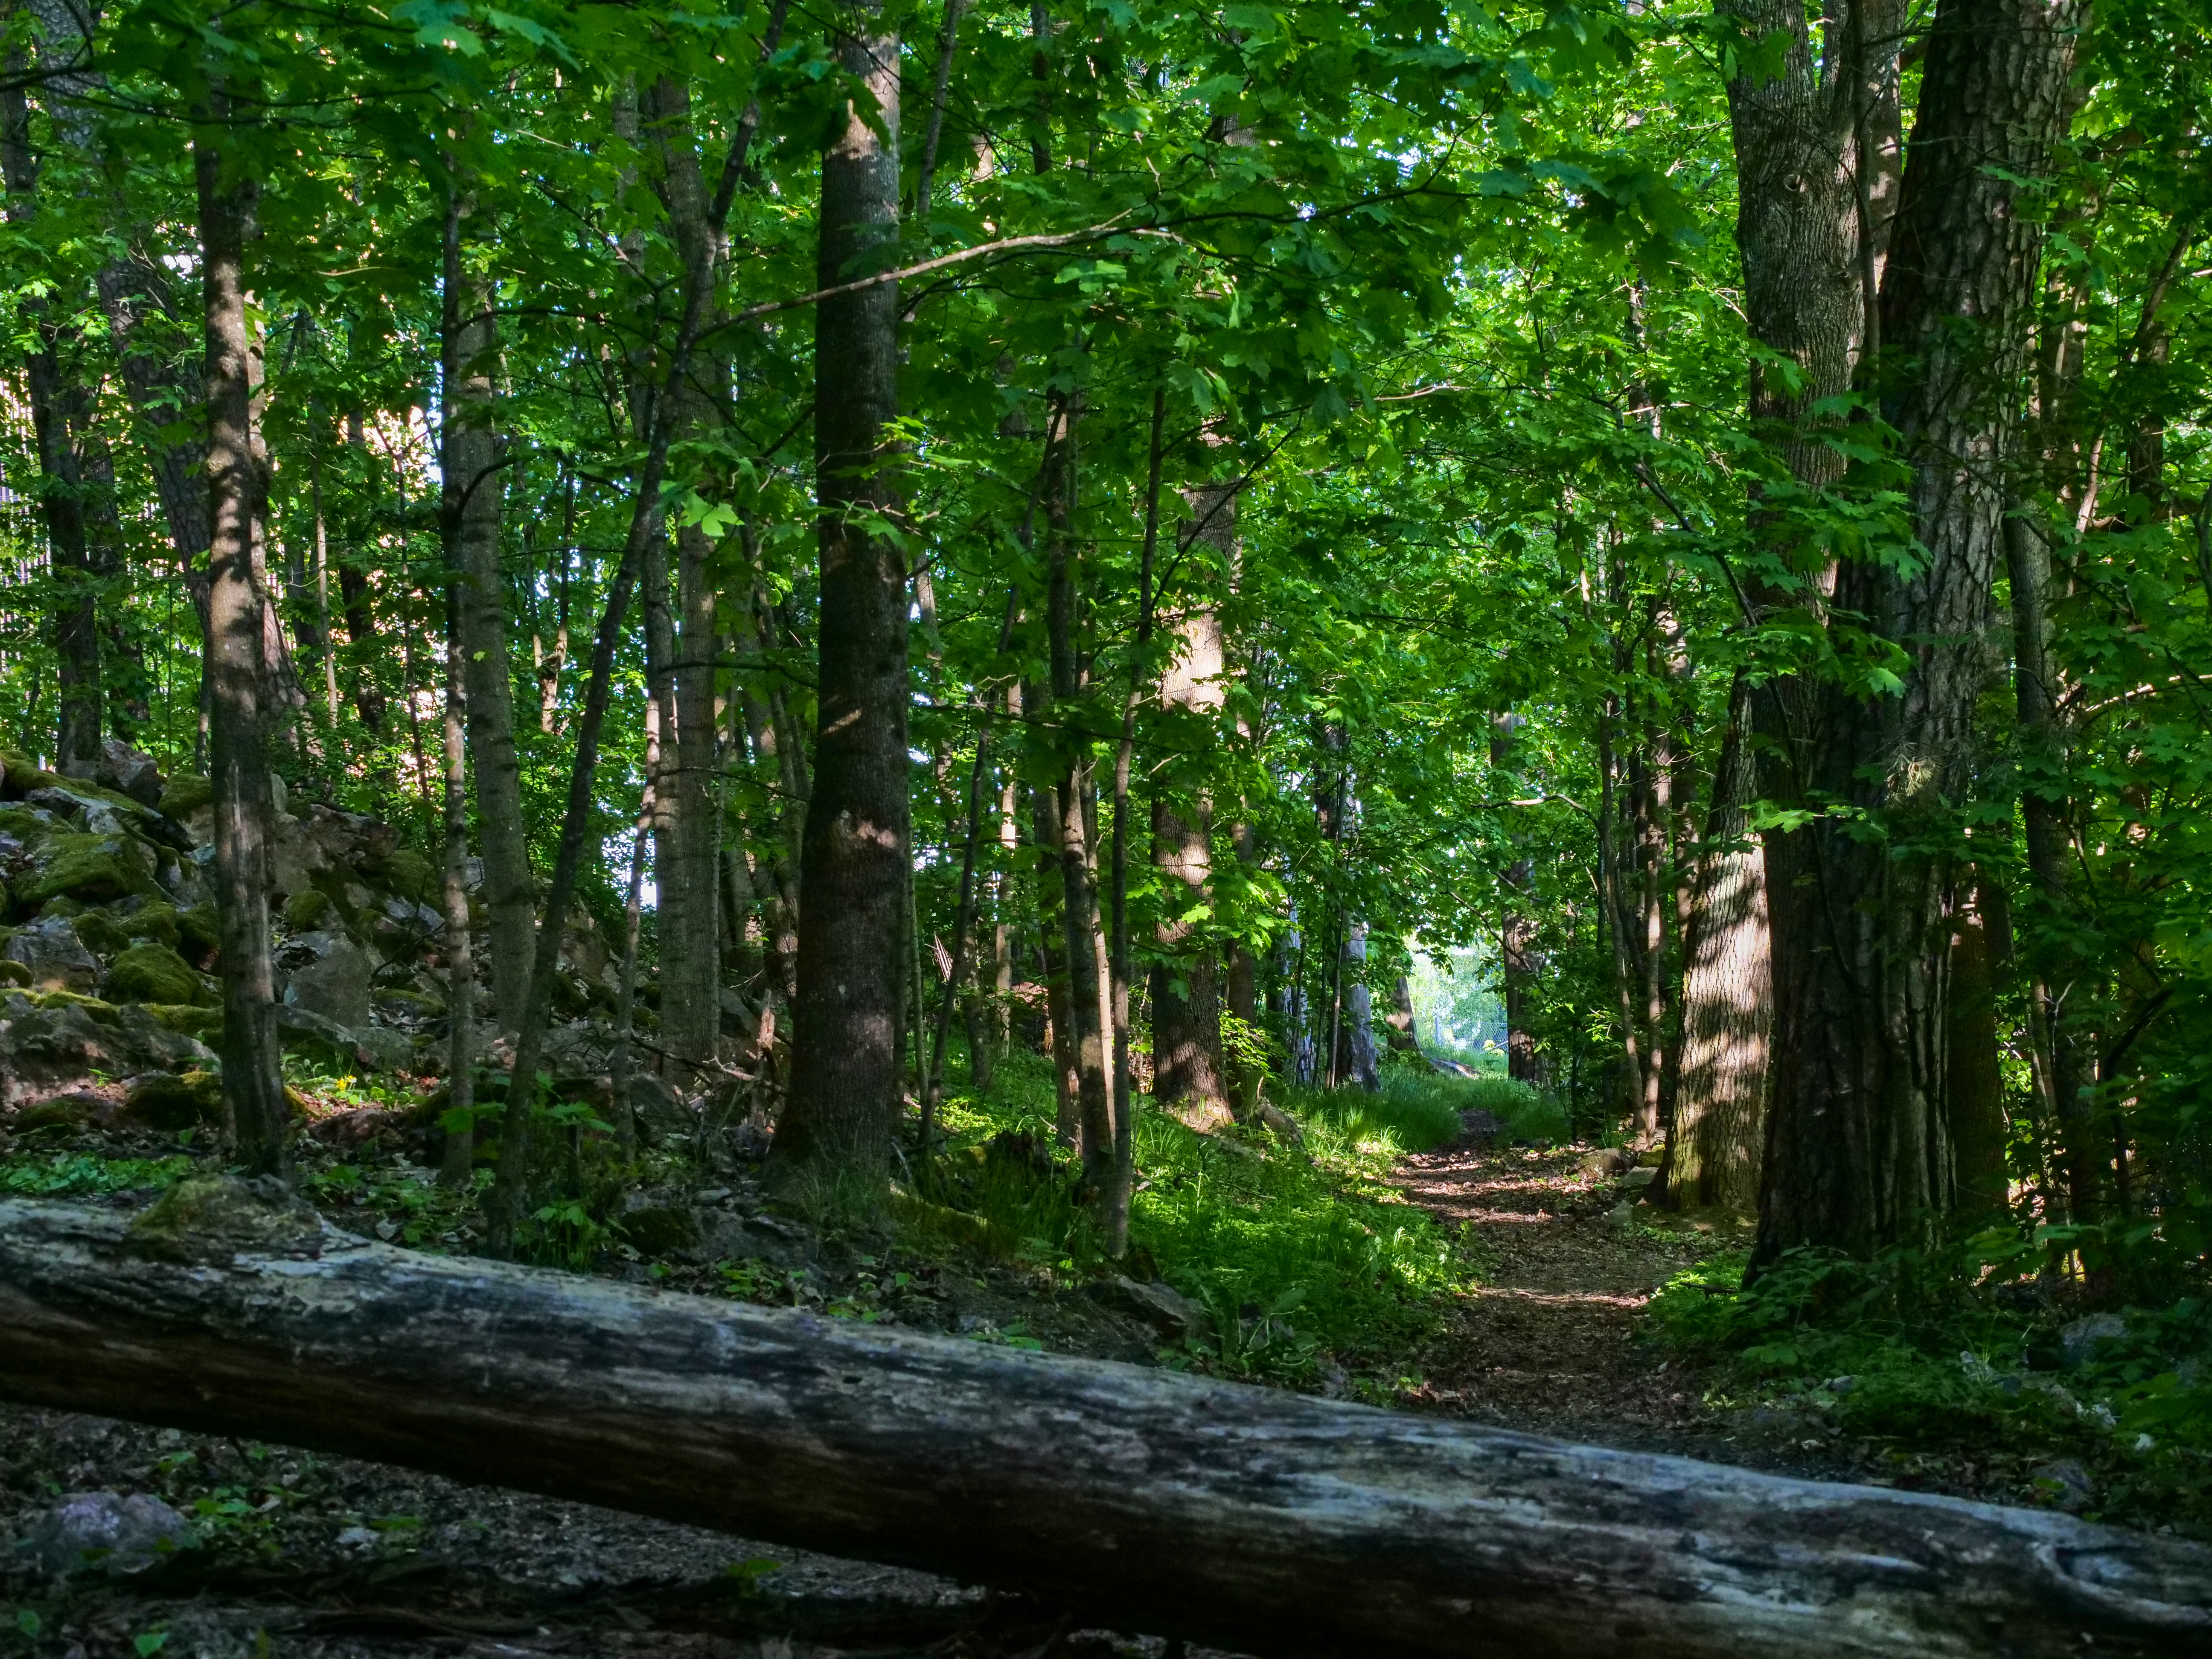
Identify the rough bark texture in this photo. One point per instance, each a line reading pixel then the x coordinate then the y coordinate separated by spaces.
pixel 688 843
pixel 845 1065
pixel 58 402
pixel 1718 1136
pixel 1859 1149
pixel 255 1115
pixel 1189 1076
pixel 1259 1519
pixel 459 1150
pixel 472 494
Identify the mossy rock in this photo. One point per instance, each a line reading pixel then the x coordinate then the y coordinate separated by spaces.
pixel 200 931
pixel 213 1218
pixel 29 825
pixel 408 873
pixel 661 1229
pixel 307 909
pixel 24 774
pixel 101 934
pixel 85 866
pixel 64 907
pixel 100 1011
pixel 157 919
pixel 64 1112
pixel 189 1019
pixel 170 1102
pixel 185 794
pixel 154 973
pixel 14 973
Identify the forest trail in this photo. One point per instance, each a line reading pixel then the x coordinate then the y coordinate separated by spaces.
pixel 1547 1343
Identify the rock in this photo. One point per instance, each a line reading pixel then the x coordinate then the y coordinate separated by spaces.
pixel 326 973
pixel 2063 1483
pixel 102 933
pixel 130 772
pixel 89 867
pixel 1638 1178
pixel 1479 1129
pixel 204 1023
pixel 54 955
pixel 199 932
pixel 22 773
pixel 155 973
pixel 143 917
pixel 308 910
pixel 2079 1342
pixel 102 1532
pixel 161 1101
pixel 1159 1304
pixel 659 1229
pixel 383 1049
pixel 293 856
pixel 185 795
pixel 1608 1162
pixel 72 1110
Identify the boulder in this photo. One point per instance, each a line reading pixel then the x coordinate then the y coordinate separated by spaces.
pixel 308 909
pixel 382 1048
pixel 54 955
pixel 104 1532
pixel 185 794
pixel 89 867
pixel 162 1100
pixel 326 973
pixel 155 973
pixel 130 772
pixel 49 1040
pixel 1158 1305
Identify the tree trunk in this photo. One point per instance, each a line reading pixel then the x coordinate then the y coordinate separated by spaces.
pixel 55 399
pixel 256 1117
pixel 1358 1064
pixel 1190 1076
pixel 1861 1151
pixel 1718 1137
pixel 471 502
pixel 460 1154
pixel 689 845
pixel 853 862
pixel 1255 1519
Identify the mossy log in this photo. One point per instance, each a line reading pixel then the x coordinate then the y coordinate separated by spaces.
pixel 1147 1500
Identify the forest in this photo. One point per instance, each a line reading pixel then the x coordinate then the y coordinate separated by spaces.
pixel 987 789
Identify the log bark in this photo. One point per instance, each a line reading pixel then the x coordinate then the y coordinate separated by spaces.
pixel 1265 1521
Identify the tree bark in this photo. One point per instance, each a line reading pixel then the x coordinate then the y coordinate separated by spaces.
pixel 688 845
pixel 1255 1519
pixel 55 399
pixel 470 503
pixel 1861 1150
pixel 1714 1149
pixel 459 1156
pixel 256 1118
pixel 1189 1076
pixel 853 861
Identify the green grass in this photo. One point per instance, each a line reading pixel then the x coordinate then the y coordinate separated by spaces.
pixel 1297 1252
pixel 1417 1109
pixel 1950 1352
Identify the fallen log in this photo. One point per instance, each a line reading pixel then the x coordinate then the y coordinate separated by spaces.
pixel 1148 1500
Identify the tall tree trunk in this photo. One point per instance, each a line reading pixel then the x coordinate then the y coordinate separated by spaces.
pixel 1718 1136
pixel 688 845
pixel 459 1153
pixel 1189 1076
pixel 255 1115
pixel 853 861
pixel 472 502
pixel 1069 761
pixel 1052 933
pixel 1861 1150
pixel 1517 957
pixel 61 489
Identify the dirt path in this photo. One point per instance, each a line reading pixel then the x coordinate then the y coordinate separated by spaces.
pixel 1548 1343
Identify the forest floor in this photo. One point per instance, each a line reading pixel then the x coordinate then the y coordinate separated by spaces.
pixel 327 1559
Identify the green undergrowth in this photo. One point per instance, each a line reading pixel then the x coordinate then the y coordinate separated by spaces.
pixel 1952 1353
pixel 77 1174
pixel 1301 1256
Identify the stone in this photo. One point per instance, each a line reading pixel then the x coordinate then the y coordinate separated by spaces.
pixel 185 794
pixel 294 856
pixel 54 956
pixel 155 973
pixel 191 1018
pixel 1158 1305
pixel 2079 1342
pixel 1638 1178
pixel 170 1102
pixel 72 1110
pixel 326 973
pixel 92 868
pixel 149 918
pixel 105 1532
pixel 102 934
pixel 130 772
pixel 307 910
pixel 382 1048
pixel 656 1230
pixel 199 932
